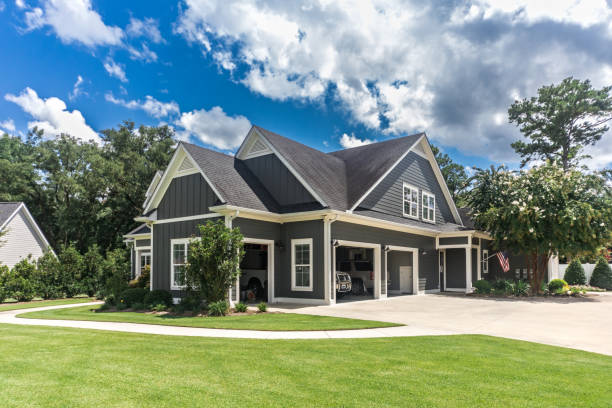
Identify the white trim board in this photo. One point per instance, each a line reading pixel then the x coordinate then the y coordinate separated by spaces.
pixel 32 222
pixel 301 301
pixel 188 218
pixel 270 244
pixel 415 264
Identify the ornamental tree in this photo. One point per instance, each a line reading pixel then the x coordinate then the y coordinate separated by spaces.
pixel 213 261
pixel 541 212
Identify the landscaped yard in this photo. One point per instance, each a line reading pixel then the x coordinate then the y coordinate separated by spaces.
pixel 61 367
pixel 42 303
pixel 260 321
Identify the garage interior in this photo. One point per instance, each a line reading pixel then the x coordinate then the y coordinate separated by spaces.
pixel 400 269
pixel 254 273
pixel 359 264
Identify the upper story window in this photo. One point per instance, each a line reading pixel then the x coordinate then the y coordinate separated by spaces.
pixel 301 264
pixel 411 201
pixel 429 207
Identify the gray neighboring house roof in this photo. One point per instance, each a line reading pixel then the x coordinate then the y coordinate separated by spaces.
pixel 365 165
pixel 141 229
pixel 6 210
pixel 466 217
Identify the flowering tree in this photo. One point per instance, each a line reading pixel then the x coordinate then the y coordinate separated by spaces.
pixel 541 212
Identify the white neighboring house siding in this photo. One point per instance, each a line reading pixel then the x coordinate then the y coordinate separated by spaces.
pixel 20 241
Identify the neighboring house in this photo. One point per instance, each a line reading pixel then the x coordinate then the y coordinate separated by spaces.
pixel 23 237
pixel 305 214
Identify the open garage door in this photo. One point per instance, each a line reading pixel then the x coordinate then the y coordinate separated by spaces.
pixel 357 270
pixel 402 270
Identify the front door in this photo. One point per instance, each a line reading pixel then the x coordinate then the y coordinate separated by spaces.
pixel 442 264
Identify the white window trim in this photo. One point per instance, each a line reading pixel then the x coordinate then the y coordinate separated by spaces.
pixel 423 207
pixel 173 242
pixel 295 242
pixel 485 261
pixel 411 187
pixel 146 252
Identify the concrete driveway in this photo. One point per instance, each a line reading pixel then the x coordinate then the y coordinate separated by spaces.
pixel 583 323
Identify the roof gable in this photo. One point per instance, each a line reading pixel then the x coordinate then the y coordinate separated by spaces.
pixel 6 216
pixel 7 210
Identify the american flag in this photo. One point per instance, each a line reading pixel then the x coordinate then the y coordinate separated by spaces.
pixel 504 262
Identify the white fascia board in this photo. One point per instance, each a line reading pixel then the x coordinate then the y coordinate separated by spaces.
pixel 245 141
pixel 10 218
pixel 291 169
pixel 35 225
pixel 441 181
pixel 367 193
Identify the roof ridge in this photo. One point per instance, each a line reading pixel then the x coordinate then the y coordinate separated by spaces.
pixel 207 149
pixel 376 143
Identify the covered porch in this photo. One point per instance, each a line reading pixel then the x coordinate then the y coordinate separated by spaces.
pixel 463 259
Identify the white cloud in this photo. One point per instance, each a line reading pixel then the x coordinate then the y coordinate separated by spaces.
pixel 76 89
pixel 52 115
pixel 402 66
pixel 8 125
pixel 148 28
pixel 213 127
pixel 115 70
pixel 150 105
pixel 73 21
pixel 144 54
pixel 347 141
pixel 2 6
pixel 20 4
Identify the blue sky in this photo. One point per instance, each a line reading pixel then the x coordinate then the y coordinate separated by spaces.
pixel 329 74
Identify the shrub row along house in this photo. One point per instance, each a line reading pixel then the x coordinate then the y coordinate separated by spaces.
pixel 380 212
pixel 20 236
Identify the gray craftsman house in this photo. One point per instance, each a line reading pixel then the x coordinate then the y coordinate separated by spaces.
pixel 381 213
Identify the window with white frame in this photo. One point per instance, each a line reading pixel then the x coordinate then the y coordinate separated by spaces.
pixel 411 201
pixel 301 264
pixel 429 207
pixel 178 259
pixel 145 260
pixel 485 261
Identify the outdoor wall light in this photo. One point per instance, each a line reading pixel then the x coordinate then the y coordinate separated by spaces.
pixel 423 252
pixel 335 243
pixel 387 248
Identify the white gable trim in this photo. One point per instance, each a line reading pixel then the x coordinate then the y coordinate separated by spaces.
pixel 156 178
pixel 441 181
pixel 367 193
pixel 256 134
pixel 171 172
pixel 32 222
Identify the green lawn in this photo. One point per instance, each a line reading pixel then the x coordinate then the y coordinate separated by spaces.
pixel 262 321
pixel 62 367
pixel 41 303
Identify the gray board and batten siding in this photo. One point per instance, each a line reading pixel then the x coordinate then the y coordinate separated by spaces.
pixel 414 170
pixel 186 196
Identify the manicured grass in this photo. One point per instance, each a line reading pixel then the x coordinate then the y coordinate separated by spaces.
pixel 260 321
pixel 62 367
pixel 42 303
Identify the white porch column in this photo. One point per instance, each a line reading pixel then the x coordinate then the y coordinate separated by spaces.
pixel 479 261
pixel 468 266
pixel 377 272
pixel 327 262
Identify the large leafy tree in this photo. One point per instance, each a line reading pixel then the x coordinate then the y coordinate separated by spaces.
pixel 561 120
pixel 454 174
pixel 541 212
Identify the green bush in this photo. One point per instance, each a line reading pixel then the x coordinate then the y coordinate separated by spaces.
pixel 240 307
pixel 133 295
pixel 116 271
pixel 143 280
pixel 219 308
pixel 556 284
pixel 263 307
pixel 191 302
pixel 503 287
pixel 4 271
pixel 482 286
pixel 158 296
pixel 138 306
pixel 574 274
pixel 71 262
pixel 121 305
pixel 160 307
pixel 520 288
pixel 602 275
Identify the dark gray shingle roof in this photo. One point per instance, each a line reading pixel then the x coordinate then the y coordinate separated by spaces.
pixel 466 217
pixel 7 209
pixel 366 164
pixel 141 229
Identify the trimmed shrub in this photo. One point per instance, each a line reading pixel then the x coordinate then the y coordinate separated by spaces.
pixel 219 308
pixel 133 295
pixel 574 274
pixel 556 284
pixel 240 307
pixel 263 307
pixel 503 287
pixel 158 296
pixel 482 286
pixel 602 275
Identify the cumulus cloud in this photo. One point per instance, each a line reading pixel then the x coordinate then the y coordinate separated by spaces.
pixel 213 127
pixel 347 141
pixel 150 105
pixel 52 115
pixel 399 67
pixel 8 125
pixel 144 54
pixel 147 27
pixel 116 70
pixel 76 88
pixel 73 21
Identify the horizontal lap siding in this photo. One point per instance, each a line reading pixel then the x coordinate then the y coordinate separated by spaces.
pixel 186 196
pixel 428 274
pixel 278 180
pixel 415 170
pixel 20 241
